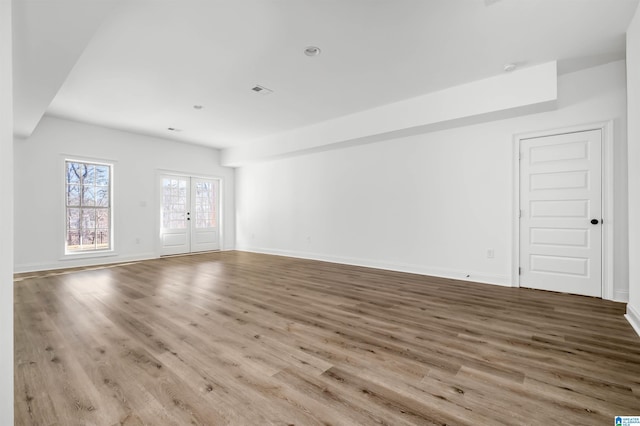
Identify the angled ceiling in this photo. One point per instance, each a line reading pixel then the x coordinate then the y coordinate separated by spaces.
pixel 142 65
pixel 48 39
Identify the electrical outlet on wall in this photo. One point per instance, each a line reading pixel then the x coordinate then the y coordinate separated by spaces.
pixel 490 253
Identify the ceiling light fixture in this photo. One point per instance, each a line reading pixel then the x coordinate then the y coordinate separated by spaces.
pixel 510 67
pixel 173 129
pixel 198 107
pixel 312 51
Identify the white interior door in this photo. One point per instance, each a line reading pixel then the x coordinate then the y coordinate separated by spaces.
pixel 560 213
pixel 189 214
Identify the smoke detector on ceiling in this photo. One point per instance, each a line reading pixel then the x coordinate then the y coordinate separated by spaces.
pixel 510 67
pixel 261 90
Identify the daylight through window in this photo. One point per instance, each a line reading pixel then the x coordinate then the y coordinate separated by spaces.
pixel 88 211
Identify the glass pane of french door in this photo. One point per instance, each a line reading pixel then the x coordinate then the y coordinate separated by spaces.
pixel 205 205
pixel 174 203
pixel 175 232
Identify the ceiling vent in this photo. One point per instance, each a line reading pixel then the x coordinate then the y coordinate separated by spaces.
pixel 262 90
pixel 312 51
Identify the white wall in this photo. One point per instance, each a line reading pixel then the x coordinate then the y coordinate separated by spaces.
pixel 6 216
pixel 39 190
pixel 432 203
pixel 633 101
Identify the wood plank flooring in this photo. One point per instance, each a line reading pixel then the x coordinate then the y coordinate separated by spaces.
pixel 246 339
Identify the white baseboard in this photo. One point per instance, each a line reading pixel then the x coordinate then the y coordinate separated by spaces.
pixel 620 296
pixel 501 280
pixel 633 316
pixel 79 262
pixel 87 261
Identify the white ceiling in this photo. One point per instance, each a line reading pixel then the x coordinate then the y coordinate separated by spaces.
pixel 149 61
pixel 48 39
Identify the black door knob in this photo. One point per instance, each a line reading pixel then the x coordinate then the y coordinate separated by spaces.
pixel 594 221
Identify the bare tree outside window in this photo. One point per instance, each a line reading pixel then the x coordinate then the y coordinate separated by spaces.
pixel 205 213
pixel 88 206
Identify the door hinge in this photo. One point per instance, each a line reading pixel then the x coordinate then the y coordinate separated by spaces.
pixel 519 271
pixel 520 213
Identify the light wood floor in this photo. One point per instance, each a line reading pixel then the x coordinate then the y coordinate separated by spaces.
pixel 245 339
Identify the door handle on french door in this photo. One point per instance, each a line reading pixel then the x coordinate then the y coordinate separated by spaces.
pixel 595 221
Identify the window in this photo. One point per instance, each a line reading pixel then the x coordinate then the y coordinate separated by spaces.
pixel 88 207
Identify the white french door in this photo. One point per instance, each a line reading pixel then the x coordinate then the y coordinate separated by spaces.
pixel 189 214
pixel 561 211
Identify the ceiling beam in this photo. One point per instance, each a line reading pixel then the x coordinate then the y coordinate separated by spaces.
pixel 525 91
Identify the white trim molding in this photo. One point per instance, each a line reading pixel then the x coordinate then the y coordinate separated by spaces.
pixel 633 317
pixel 501 280
pixel 79 262
pixel 621 296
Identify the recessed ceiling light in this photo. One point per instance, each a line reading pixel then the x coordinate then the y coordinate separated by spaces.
pixel 198 107
pixel 510 67
pixel 173 129
pixel 312 51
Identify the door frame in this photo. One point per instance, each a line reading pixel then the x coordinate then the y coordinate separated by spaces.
pixel 158 203
pixel 606 128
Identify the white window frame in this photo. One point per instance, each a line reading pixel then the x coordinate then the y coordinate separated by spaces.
pixel 95 252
